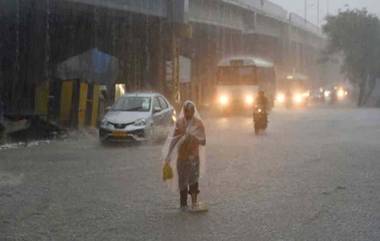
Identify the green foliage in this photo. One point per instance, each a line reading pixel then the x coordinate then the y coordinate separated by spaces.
pixel 356 35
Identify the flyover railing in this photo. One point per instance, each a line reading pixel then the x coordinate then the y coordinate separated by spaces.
pixel 300 22
pixel 273 10
pixel 263 6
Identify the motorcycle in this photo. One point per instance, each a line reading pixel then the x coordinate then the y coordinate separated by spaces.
pixel 260 119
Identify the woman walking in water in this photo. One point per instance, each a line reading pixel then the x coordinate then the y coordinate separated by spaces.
pixel 183 150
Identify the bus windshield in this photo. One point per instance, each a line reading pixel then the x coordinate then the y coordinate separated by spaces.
pixel 237 75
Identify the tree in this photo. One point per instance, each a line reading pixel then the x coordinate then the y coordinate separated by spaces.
pixel 356 35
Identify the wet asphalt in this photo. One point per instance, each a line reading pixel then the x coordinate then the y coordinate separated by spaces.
pixel 313 175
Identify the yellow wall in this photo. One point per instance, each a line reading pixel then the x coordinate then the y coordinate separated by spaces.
pixel 66 102
pixel 41 99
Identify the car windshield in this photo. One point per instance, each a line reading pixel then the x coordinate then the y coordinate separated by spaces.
pixel 135 103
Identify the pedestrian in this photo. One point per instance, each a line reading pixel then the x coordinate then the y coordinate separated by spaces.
pixel 184 151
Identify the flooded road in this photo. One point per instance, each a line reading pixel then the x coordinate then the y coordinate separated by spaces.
pixel 314 175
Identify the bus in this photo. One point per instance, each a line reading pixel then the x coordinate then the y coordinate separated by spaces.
pixel 239 79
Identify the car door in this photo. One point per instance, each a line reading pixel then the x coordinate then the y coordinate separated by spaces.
pixel 157 114
pixel 166 112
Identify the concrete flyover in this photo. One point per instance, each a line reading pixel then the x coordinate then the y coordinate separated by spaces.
pixel 260 26
pixel 147 37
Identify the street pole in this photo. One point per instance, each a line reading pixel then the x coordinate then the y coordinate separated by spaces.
pixel 172 65
pixel 328 7
pixel 305 10
pixel 318 11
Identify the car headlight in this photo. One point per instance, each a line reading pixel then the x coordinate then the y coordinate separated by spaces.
pixel 249 100
pixel 104 122
pixel 140 122
pixel 224 100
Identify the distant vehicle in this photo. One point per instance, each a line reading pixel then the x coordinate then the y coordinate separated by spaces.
pixel 317 96
pixel 336 94
pixel 137 117
pixel 239 79
pixel 293 92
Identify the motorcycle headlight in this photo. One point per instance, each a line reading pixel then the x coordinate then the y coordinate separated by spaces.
pixel 140 122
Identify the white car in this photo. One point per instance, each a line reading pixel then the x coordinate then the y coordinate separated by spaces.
pixel 138 117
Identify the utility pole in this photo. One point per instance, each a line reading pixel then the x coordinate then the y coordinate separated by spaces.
pixel 328 7
pixel 179 28
pixel 305 10
pixel 172 64
pixel 318 11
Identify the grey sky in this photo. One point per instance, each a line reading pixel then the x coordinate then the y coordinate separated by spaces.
pixel 332 6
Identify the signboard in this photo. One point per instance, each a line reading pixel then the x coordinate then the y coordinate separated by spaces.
pixel 184 69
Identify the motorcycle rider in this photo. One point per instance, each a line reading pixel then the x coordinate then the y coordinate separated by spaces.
pixel 260 112
pixel 262 101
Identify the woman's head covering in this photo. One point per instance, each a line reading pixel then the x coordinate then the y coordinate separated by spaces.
pixel 193 126
pixel 189 105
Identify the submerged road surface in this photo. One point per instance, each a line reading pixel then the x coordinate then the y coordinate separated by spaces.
pixel 314 175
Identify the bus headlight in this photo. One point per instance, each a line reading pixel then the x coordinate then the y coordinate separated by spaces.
pixel 280 98
pixel 298 98
pixel 224 100
pixel 249 100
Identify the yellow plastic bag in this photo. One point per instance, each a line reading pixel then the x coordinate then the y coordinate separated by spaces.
pixel 167 172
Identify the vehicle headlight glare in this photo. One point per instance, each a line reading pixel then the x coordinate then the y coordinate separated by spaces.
pixel 223 100
pixel 298 98
pixel 280 98
pixel 249 100
pixel 340 93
